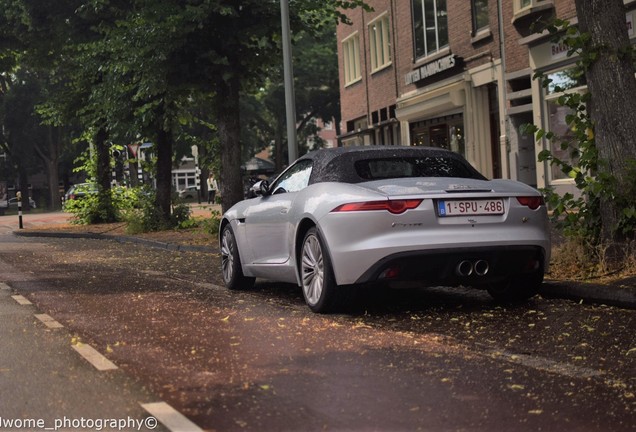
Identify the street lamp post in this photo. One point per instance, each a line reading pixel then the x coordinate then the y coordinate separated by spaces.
pixel 290 103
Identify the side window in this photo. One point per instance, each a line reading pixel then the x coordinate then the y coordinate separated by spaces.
pixel 294 179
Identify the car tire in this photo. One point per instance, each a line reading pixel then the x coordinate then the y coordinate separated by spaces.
pixel 517 289
pixel 320 291
pixel 231 262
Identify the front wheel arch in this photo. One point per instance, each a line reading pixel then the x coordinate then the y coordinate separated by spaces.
pixel 231 267
pixel 304 226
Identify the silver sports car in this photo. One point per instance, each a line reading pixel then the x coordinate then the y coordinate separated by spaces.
pixel 357 215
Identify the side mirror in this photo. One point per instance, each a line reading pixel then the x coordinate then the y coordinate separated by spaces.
pixel 264 188
pixel 260 188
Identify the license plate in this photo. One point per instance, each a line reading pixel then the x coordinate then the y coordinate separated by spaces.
pixel 470 207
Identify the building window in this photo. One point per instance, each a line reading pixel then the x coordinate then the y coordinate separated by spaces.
pixel 430 26
pixel 351 57
pixel 480 15
pixel 379 43
pixel 521 5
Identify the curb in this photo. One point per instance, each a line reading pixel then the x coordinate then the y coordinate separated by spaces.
pixel 588 292
pixel 119 239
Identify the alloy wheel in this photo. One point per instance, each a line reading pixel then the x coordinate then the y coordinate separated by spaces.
pixel 227 255
pixel 312 270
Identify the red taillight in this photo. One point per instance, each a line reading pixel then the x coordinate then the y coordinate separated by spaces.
pixel 393 206
pixel 533 202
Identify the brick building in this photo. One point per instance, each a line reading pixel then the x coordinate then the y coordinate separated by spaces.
pixel 445 73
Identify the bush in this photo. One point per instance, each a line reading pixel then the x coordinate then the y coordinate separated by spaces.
pixel 211 225
pixel 144 215
pixel 180 217
pixel 90 209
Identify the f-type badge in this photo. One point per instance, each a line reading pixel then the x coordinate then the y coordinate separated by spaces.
pixel 405 225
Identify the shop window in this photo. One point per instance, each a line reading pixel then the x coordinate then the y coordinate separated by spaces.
pixel 444 132
pixel 566 80
pixel 379 43
pixel 430 26
pixel 439 136
pixel 351 59
pixel 557 124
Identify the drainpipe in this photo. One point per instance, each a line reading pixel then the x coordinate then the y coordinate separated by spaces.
pixel 503 110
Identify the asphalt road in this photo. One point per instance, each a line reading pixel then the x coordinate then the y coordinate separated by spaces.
pixel 435 359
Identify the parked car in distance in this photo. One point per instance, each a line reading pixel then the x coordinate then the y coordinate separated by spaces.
pixel 188 193
pixel 13 203
pixel 80 190
pixel 353 216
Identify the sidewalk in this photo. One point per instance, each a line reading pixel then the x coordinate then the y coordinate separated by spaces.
pixel 620 293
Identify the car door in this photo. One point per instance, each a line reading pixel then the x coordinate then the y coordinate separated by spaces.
pixel 269 229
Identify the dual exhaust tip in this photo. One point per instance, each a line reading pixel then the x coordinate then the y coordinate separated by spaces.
pixel 468 268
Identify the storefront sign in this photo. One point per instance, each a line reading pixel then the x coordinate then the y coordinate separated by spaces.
pixel 558 50
pixel 430 69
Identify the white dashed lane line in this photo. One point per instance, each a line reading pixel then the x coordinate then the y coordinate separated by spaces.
pixel 94 357
pixel 170 417
pixel 48 321
pixel 21 300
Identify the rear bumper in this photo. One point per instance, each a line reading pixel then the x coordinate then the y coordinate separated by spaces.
pixel 451 267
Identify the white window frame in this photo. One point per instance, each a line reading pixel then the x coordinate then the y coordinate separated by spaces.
pixel 351 59
pixel 519 5
pixel 379 42
pixel 439 47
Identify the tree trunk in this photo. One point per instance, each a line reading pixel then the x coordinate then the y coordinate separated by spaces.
pixel 612 86
pixel 50 161
pixel 53 169
pixel 164 171
pixel 228 127
pixel 106 213
pixel 24 186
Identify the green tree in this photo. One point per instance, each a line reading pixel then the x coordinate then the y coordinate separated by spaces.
pixel 608 58
pixel 132 69
pixel 602 124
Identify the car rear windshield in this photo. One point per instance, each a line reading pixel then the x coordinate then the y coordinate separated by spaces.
pixel 429 166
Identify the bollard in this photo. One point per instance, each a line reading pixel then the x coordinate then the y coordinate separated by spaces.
pixel 19 197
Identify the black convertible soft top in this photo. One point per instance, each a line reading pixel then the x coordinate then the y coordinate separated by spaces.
pixel 352 164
